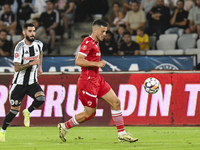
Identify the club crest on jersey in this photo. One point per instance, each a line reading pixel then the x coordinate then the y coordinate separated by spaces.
pixel 16 55
pixel 31 58
pixel 84 47
pixel 89 103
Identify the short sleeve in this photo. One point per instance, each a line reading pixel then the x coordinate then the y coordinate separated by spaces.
pixel 190 16
pixel 18 53
pixel 85 47
pixel 146 38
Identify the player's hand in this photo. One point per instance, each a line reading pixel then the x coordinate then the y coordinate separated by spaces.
pixel 35 62
pixel 39 71
pixel 101 63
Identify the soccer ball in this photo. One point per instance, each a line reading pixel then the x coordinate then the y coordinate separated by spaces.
pixel 151 85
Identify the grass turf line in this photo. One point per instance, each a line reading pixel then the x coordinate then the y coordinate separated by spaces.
pixel 102 138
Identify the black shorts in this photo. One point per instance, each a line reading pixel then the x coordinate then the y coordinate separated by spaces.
pixel 17 93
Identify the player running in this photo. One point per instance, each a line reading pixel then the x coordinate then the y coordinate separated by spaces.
pixel 28 65
pixel 92 86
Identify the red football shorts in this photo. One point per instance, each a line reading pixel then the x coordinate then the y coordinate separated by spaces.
pixel 89 92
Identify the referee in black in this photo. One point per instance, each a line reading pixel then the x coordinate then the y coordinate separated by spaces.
pixel 28 56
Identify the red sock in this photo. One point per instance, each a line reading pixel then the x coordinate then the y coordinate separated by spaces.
pixel 118 119
pixel 71 123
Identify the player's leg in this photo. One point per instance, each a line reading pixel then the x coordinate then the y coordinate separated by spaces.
pixel 74 121
pixel 107 94
pixel 88 97
pixel 16 94
pixel 37 94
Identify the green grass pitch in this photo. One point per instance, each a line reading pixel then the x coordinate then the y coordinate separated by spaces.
pixel 102 138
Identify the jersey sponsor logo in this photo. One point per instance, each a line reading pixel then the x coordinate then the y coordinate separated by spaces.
pixel 31 58
pixel 16 55
pixel 98 54
pixel 84 47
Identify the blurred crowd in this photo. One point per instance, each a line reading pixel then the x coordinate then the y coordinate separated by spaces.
pixel 126 19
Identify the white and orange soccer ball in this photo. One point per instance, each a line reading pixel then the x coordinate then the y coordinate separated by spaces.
pixel 151 85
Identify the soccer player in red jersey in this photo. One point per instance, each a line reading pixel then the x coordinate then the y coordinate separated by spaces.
pixel 92 86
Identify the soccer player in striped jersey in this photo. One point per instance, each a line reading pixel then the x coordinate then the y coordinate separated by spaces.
pixel 27 65
pixel 92 86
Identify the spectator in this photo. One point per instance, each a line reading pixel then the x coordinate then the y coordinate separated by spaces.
pixel 179 20
pixel 23 9
pixel 159 18
pixel 194 19
pixel 66 9
pixel 127 4
pixel 142 39
pixel 115 13
pixel 87 8
pixel 120 35
pixel 147 5
pixel 117 21
pixel 135 18
pixel 108 46
pixel 189 4
pixel 50 21
pixel 5 45
pixel 129 47
pixel 78 48
pixel 40 34
pixel 8 20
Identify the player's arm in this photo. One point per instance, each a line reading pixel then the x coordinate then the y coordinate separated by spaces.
pixel 20 67
pixel 39 71
pixel 81 61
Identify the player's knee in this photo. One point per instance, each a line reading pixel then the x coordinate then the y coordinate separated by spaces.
pixel 91 116
pixel 116 104
pixel 40 98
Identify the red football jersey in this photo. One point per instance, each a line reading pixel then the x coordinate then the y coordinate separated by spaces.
pixel 90 48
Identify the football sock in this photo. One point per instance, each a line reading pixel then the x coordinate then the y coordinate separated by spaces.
pixel 118 119
pixel 36 103
pixel 9 117
pixel 71 123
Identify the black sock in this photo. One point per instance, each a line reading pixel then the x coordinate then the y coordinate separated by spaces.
pixel 36 104
pixel 9 117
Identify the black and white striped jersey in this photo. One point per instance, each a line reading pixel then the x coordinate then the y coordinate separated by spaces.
pixel 23 54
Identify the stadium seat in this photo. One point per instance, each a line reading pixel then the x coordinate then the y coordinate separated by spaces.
pixel 152 41
pixel 168 37
pixel 142 52
pixel 198 43
pixel 174 52
pixel 192 35
pixel 193 51
pixel 133 38
pixel 155 52
pixel 164 44
pixel 186 43
pixel 16 38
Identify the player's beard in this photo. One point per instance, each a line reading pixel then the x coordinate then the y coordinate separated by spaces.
pixel 30 40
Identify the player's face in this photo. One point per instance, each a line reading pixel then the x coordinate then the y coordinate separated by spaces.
pixel 101 33
pixel 49 6
pixel 3 36
pixel 127 38
pixel 29 34
pixel 6 8
pixel 160 3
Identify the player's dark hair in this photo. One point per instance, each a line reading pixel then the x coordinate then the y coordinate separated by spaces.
pixel 3 30
pixel 26 25
pixel 100 22
pixel 127 33
pixel 123 26
pixel 116 3
pixel 141 29
pixel 134 1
